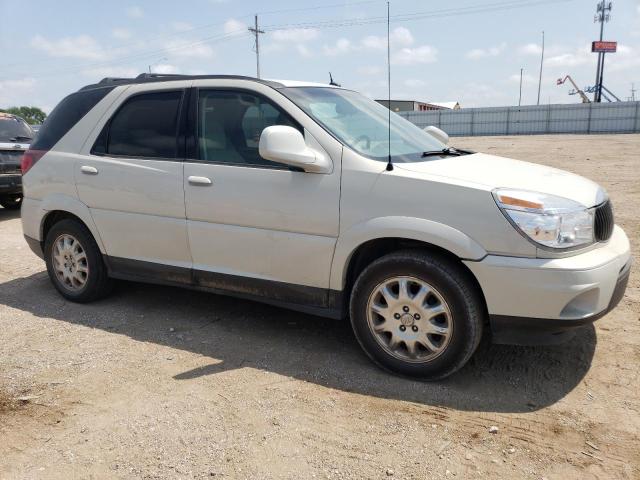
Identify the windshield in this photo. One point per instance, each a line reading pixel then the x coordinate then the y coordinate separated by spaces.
pixel 362 124
pixel 14 128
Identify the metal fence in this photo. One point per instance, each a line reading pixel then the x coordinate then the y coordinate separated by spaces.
pixel 619 117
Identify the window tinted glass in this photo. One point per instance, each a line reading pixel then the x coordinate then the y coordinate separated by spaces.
pixel 68 112
pixel 146 126
pixel 14 129
pixel 230 124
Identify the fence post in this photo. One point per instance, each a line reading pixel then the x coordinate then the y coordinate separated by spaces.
pixel 508 119
pixel 473 111
pixel 589 118
pixel 547 129
pixel 637 122
pixel 440 119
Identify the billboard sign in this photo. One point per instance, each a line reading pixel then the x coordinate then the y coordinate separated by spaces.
pixel 602 46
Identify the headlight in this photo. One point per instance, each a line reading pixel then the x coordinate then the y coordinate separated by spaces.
pixel 552 222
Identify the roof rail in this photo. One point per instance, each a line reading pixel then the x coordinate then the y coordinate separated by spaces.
pixel 167 77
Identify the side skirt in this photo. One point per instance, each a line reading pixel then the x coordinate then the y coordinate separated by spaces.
pixel 312 300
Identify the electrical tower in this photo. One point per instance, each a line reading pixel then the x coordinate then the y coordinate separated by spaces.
pixel 602 15
pixel 256 31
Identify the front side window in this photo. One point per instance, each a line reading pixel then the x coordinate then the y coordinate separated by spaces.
pixel 145 126
pixel 230 124
pixel 362 124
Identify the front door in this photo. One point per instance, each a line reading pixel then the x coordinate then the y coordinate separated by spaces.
pixel 256 226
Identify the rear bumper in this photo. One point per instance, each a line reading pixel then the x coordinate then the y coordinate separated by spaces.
pixel 10 184
pixel 533 300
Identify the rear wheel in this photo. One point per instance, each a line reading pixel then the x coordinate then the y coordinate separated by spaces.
pixel 417 314
pixel 74 262
pixel 11 202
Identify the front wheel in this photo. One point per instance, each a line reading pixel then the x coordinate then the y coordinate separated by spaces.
pixel 11 202
pixel 417 314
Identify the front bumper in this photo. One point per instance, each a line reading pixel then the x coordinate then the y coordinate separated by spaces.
pixel 534 301
pixel 10 184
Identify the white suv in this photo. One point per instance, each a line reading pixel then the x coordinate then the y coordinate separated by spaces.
pixel 299 195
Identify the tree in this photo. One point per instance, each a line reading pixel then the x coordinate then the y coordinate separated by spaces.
pixel 32 115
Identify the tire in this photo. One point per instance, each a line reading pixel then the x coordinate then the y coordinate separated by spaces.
pixel 431 345
pixel 74 284
pixel 11 202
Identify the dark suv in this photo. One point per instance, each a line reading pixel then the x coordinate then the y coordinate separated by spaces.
pixel 15 137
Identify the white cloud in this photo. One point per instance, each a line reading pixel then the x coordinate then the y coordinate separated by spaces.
pixel 102 72
pixel 165 68
pixel 181 26
pixel 400 37
pixel 526 79
pixel 134 12
pixel 369 70
pixel 295 35
pixel 121 33
pixel 414 83
pixel 479 53
pixel 304 50
pixel 413 56
pixel 342 46
pixel 574 58
pixel 530 49
pixel 187 49
pixel 82 46
pixel 233 26
pixel 12 92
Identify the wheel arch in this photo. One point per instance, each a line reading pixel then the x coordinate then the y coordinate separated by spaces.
pixel 358 248
pixel 62 207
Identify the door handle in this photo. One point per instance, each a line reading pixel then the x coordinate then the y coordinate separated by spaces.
pixel 199 181
pixel 89 170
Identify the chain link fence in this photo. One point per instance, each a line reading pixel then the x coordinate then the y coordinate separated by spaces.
pixel 619 117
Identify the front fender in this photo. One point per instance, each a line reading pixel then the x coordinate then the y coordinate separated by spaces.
pixel 410 228
pixel 71 205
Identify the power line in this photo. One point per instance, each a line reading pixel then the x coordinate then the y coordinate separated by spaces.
pixel 473 9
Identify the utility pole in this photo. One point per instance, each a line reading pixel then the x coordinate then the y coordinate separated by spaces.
pixel 541 62
pixel 256 31
pixel 602 16
pixel 633 92
pixel 520 97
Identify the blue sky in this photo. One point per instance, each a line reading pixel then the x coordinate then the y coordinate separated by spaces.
pixel 50 49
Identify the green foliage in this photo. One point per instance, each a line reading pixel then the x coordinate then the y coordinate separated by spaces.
pixel 32 115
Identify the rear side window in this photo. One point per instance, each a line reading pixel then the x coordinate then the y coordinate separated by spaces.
pixel 66 114
pixel 145 126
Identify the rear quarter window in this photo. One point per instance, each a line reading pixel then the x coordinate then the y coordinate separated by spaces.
pixel 66 114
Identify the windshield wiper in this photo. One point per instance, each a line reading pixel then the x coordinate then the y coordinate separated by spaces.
pixel 451 151
pixel 20 137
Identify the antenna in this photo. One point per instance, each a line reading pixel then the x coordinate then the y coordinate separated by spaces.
pixel 331 82
pixel 389 163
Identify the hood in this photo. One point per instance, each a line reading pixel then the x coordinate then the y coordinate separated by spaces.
pixel 490 172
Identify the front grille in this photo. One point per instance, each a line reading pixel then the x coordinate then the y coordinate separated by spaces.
pixel 604 222
pixel 10 161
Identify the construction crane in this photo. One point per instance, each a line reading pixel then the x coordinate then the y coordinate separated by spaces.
pixel 585 99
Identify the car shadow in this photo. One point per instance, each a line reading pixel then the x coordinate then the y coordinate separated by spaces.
pixel 6 214
pixel 242 334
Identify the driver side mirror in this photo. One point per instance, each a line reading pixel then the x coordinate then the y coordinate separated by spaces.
pixel 438 134
pixel 283 144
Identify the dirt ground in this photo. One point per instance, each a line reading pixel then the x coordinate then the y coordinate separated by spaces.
pixel 158 382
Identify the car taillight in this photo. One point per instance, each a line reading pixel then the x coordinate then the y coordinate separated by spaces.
pixel 30 158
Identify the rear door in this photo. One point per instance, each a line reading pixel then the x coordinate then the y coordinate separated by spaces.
pixel 131 180
pixel 256 226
